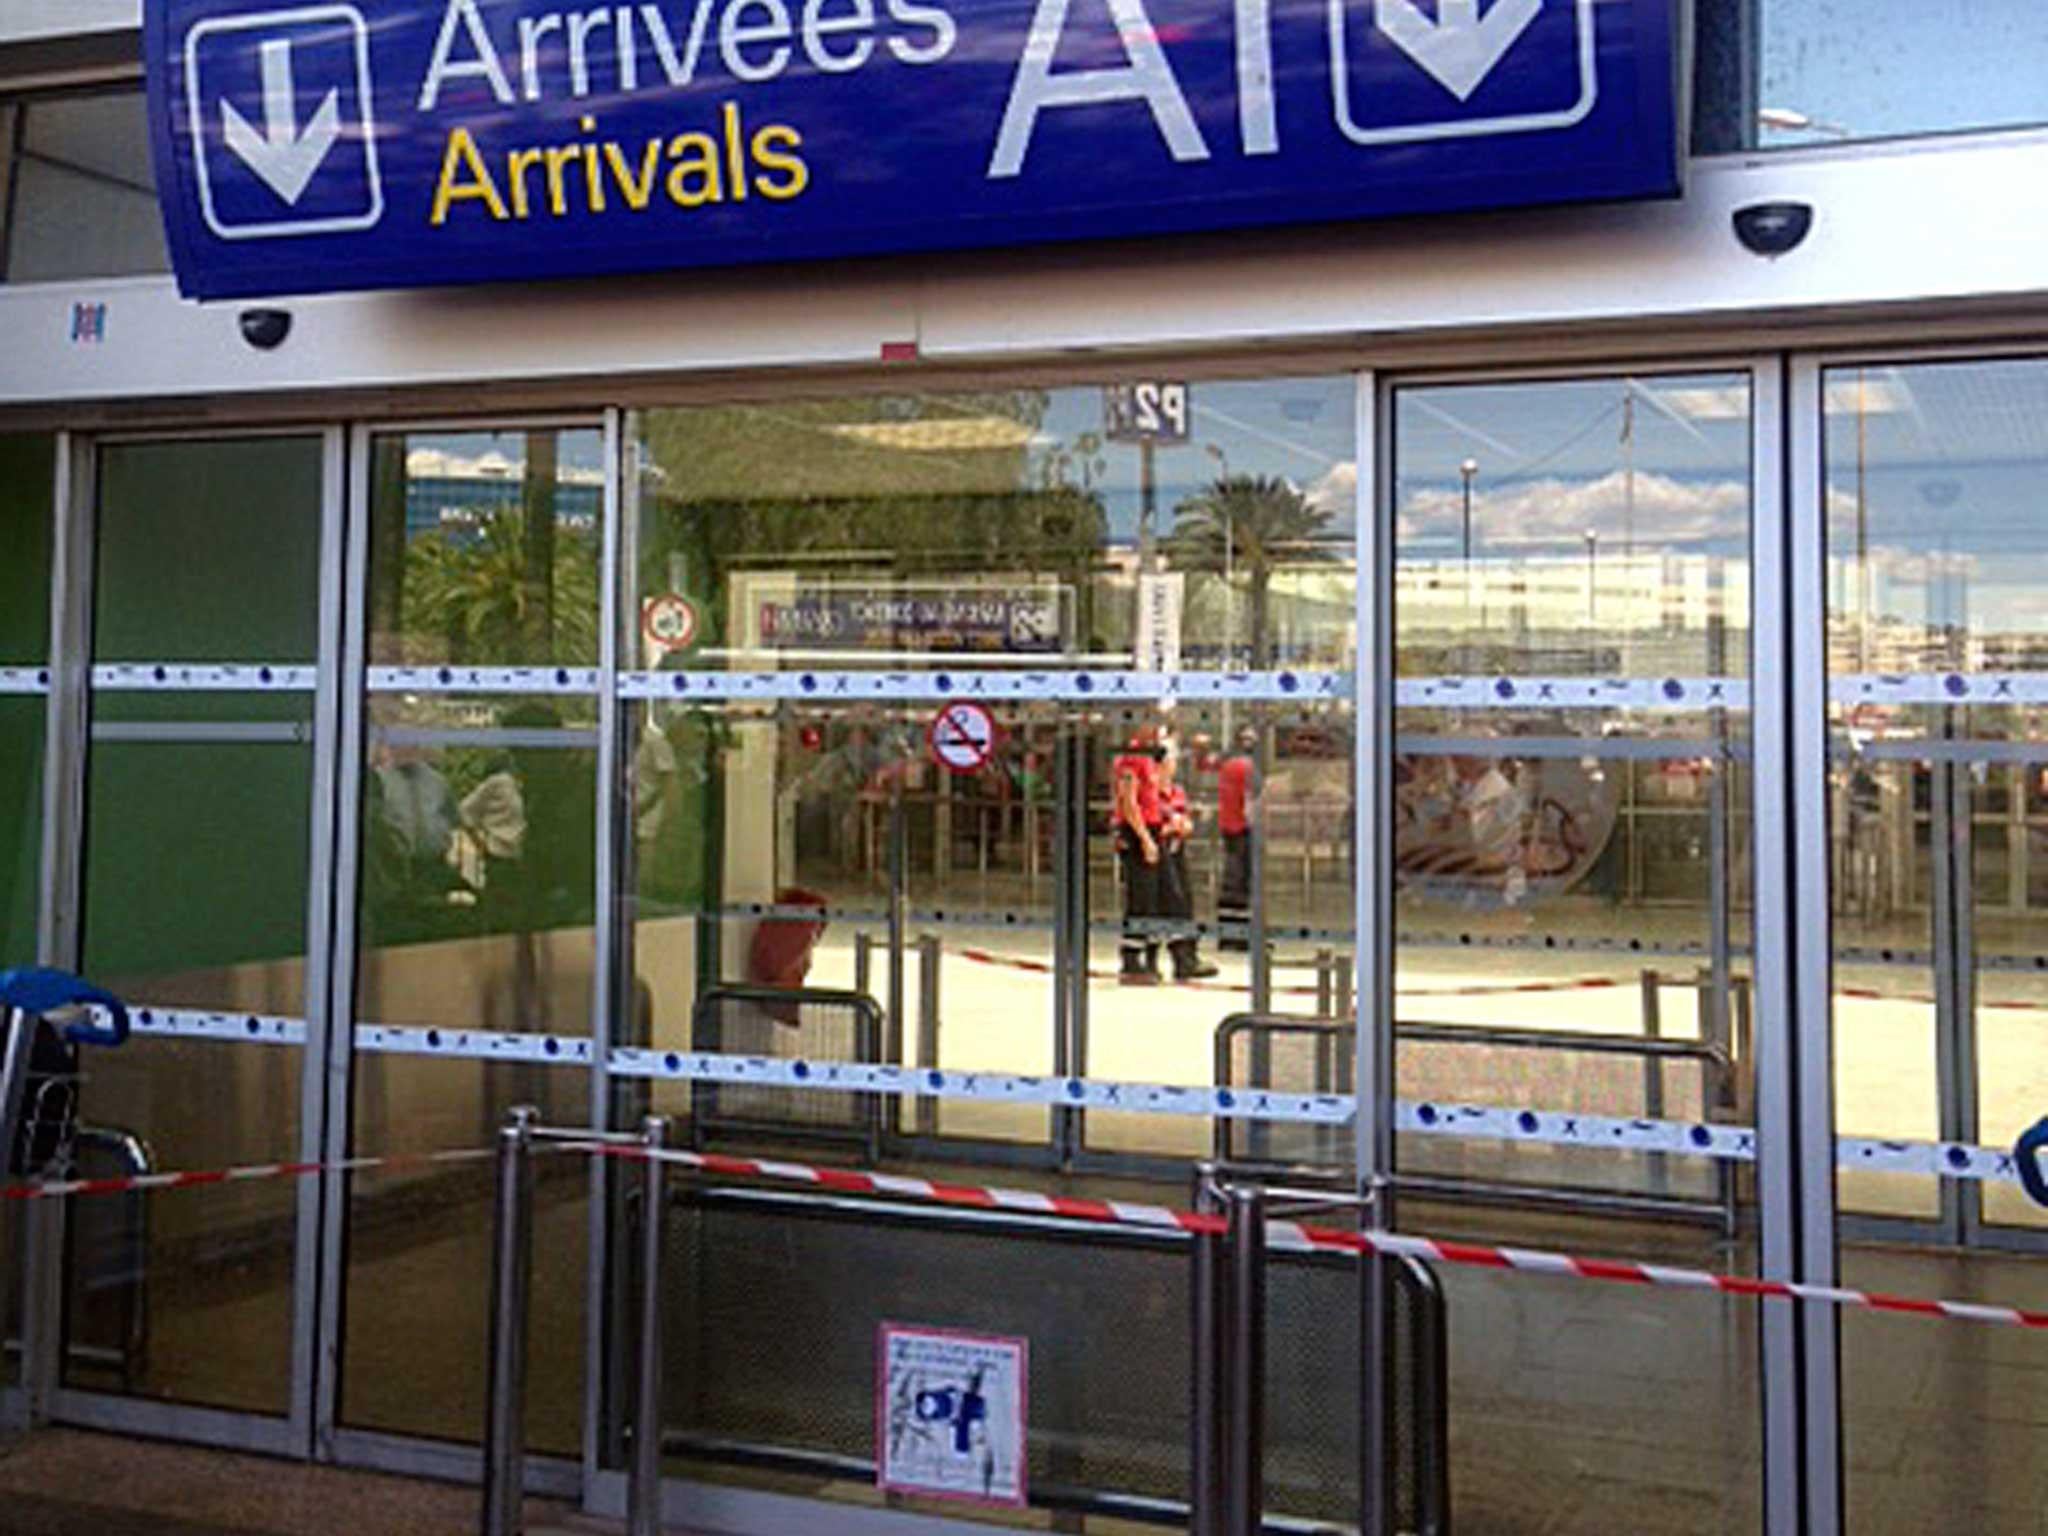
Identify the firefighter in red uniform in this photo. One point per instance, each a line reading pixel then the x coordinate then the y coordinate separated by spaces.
pixel 1137 821
pixel 1236 793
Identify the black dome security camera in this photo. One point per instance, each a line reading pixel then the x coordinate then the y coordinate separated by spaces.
pixel 1772 229
pixel 266 329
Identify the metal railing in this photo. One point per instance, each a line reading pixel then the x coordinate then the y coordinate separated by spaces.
pixel 1245 1057
pixel 1228 1328
pixel 814 1023
pixel 1227 1339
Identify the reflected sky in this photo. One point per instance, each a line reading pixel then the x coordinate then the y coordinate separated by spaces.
pixel 1870 68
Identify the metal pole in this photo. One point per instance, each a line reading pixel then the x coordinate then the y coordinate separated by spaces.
pixel 928 957
pixel 1653 1072
pixel 643 1478
pixel 511 1282
pixel 1326 965
pixel 1209 1430
pixel 899 913
pixel 1377 1380
pixel 863 962
pixel 1259 951
pixel 1245 1379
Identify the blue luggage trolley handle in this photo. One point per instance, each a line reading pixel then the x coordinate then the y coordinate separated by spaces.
pixel 43 990
pixel 2026 1155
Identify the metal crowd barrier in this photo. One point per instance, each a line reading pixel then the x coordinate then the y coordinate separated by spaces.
pixel 1245 1057
pixel 1228 1325
pixel 109 1328
pixel 1227 1338
pixel 811 1023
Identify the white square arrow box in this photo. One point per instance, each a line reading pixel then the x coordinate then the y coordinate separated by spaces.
pixel 279 108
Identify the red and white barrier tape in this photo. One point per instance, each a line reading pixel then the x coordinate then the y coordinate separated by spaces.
pixel 1488 989
pixel 145 1183
pixel 1298 1237
pixel 1099 973
pixel 1288 1236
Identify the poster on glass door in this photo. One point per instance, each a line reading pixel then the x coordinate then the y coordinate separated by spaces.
pixel 949 1414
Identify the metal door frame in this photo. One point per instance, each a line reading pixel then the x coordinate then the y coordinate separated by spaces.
pixel 1800 1410
pixel 1951 906
pixel 67 752
pixel 330 1438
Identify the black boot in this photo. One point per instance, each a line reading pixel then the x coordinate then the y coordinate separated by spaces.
pixel 1188 964
pixel 1140 966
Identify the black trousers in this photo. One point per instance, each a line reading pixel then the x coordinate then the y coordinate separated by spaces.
pixel 1234 900
pixel 1176 890
pixel 1142 882
pixel 1177 900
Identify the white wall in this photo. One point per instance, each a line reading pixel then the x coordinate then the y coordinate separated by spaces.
pixel 1932 226
pixel 24 21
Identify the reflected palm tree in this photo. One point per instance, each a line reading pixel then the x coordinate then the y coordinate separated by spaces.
pixel 480 595
pixel 1250 525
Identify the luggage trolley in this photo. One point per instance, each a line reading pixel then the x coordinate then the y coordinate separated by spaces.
pixel 39 1076
pixel 42 1137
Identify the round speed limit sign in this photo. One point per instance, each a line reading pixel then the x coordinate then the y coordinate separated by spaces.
pixel 670 621
pixel 963 737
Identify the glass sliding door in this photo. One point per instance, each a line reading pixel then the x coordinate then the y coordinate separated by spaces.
pixel 1572 895
pixel 1937 656
pixel 474 906
pixel 888 666
pixel 202 826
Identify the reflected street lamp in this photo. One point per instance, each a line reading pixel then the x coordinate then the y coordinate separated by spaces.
pixel 1792 120
pixel 1468 472
pixel 1229 572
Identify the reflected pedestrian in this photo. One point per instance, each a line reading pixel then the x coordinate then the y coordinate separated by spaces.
pixel 1236 788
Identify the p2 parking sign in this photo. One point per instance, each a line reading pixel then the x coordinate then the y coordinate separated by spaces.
pixel 355 144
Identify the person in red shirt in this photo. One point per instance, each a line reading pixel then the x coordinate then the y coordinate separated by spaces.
pixel 1136 822
pixel 1236 789
pixel 1176 888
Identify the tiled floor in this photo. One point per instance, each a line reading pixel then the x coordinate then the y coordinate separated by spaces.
pixel 62 1482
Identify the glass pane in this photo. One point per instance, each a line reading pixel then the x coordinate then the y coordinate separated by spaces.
pixel 243 503
pixel 195 898
pixel 83 202
pixel 197 865
pixel 27 472
pixel 28 465
pixel 484 548
pixel 1571 842
pixel 1834 69
pixel 1936 565
pixel 476 910
pixel 1002 530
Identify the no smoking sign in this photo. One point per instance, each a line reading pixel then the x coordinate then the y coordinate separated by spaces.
pixel 670 621
pixel 962 737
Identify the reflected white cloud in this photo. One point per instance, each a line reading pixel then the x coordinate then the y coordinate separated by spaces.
pixel 1653 507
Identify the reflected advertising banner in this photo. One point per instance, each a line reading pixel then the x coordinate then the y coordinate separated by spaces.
pixel 356 144
pixel 905 620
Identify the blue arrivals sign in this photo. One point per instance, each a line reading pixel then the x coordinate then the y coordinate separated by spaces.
pixel 350 144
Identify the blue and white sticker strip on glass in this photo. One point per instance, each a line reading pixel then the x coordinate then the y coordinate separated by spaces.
pixel 1527 1125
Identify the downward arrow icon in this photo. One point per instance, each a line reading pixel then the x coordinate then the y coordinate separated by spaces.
pixel 1460 47
pixel 285 158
